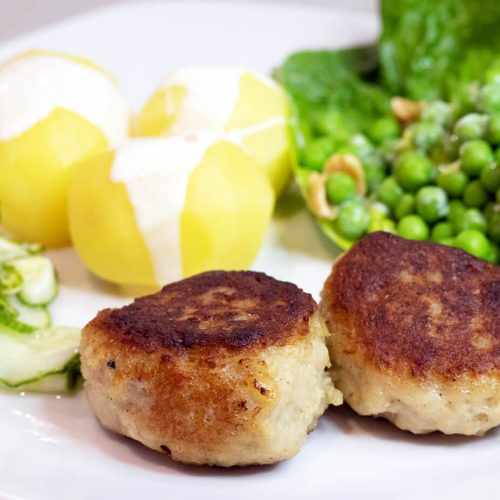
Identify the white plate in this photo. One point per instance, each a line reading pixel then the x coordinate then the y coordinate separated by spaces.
pixel 54 449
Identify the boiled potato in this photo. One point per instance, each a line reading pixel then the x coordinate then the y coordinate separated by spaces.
pixel 247 108
pixel 160 209
pixel 55 110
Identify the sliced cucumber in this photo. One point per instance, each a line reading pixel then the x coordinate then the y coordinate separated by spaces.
pixel 33 248
pixel 11 280
pixel 6 308
pixel 38 278
pixel 11 250
pixel 23 318
pixel 33 357
pixel 45 361
pixel 35 316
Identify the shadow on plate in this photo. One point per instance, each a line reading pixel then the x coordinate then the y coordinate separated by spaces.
pixel 72 273
pixel 154 458
pixel 349 422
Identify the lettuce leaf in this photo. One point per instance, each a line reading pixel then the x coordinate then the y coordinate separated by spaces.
pixel 335 80
pixel 432 49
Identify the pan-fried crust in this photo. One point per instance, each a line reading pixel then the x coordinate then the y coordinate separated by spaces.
pixel 416 308
pixel 234 310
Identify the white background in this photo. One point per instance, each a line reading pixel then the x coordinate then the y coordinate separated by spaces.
pixel 20 16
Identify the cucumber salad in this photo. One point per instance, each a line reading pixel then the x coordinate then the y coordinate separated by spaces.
pixel 34 355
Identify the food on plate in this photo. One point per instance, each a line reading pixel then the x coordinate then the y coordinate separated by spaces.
pixel 246 107
pixel 426 165
pixel 33 355
pixel 415 334
pixel 223 368
pixel 431 50
pixel 159 209
pixel 28 284
pixel 45 360
pixel 55 110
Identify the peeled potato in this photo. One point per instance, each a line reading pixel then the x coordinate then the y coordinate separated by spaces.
pixel 248 108
pixel 157 210
pixel 55 110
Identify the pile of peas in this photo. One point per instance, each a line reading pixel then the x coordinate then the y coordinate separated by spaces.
pixel 437 178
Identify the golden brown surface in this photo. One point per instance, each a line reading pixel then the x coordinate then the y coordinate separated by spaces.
pixel 224 368
pixel 218 309
pixel 414 335
pixel 416 308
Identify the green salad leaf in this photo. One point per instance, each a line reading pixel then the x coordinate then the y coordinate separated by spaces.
pixel 431 50
pixel 338 81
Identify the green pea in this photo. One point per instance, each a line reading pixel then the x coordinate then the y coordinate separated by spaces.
pixel 494 254
pixel 489 97
pixel 317 152
pixel 438 112
pixel 453 182
pixel 473 242
pixel 464 97
pixel 389 150
pixel 330 123
pixel 449 241
pixel 491 208
pixel 303 134
pixel 445 151
pixel 379 220
pixel 432 203
pixel 490 177
pixel 413 227
pixel 456 211
pixel 434 174
pixel 374 175
pixel 493 72
pixel 404 206
pixel 494 226
pixel 471 219
pixel 361 146
pixel 471 126
pixel 425 135
pixel 442 230
pixel 389 192
pixel 497 196
pixel 493 134
pixel 352 221
pixel 475 155
pixel 340 187
pixel 412 170
pixel 388 226
pixel 384 128
pixel 475 195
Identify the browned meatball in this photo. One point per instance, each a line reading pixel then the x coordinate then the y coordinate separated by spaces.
pixel 224 368
pixel 415 334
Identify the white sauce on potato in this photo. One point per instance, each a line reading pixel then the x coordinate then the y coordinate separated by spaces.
pixel 31 87
pixel 211 95
pixel 155 173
